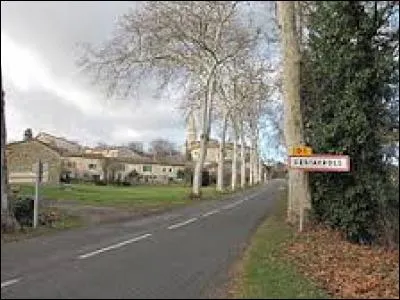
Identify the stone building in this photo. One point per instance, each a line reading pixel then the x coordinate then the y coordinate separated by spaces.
pixel 23 156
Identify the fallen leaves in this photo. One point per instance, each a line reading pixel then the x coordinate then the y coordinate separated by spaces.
pixel 346 270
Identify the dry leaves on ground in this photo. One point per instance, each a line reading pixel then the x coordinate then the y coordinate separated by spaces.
pixel 346 270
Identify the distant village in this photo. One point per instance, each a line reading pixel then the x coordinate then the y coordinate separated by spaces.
pixel 65 160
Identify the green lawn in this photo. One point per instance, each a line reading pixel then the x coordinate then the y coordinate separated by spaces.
pixel 130 196
pixel 264 273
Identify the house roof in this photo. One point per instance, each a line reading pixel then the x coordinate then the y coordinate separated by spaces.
pixel 84 155
pixel 55 149
pixel 58 137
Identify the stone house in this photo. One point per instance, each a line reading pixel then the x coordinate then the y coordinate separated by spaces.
pixel 22 157
pixel 62 162
pixel 84 166
pixel 149 170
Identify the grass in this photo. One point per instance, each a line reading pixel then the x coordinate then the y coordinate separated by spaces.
pixel 138 199
pixel 66 222
pixel 264 273
pixel 121 196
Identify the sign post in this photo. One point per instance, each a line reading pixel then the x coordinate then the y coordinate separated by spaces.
pixel 39 174
pixel 303 159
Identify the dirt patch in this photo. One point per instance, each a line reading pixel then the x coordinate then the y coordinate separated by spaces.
pixel 346 270
pixel 101 214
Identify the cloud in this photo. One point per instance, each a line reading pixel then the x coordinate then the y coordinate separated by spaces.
pixel 44 92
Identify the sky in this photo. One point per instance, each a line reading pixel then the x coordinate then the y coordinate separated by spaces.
pixel 45 92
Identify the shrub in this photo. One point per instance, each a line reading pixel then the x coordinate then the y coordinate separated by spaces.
pixel 194 196
pixel 23 211
pixel 49 217
pixel 100 182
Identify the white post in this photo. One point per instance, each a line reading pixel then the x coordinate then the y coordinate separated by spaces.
pixel 36 200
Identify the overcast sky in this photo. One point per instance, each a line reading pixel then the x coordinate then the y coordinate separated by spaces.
pixel 44 91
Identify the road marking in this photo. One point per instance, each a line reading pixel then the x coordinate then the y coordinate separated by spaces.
pixel 211 213
pixel 115 246
pixel 9 282
pixel 232 205
pixel 182 223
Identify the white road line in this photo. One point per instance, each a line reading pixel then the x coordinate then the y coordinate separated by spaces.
pixel 210 213
pixel 232 205
pixel 115 246
pixel 9 282
pixel 182 223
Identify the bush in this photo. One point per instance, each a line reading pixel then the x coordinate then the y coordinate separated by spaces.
pixel 48 218
pixel 194 196
pixel 100 182
pixel 23 211
pixel 126 183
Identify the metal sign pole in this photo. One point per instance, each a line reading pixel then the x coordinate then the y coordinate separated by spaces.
pixel 36 200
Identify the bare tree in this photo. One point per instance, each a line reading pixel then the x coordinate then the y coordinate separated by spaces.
pixel 161 148
pixel 136 146
pixel 28 135
pixel 299 194
pixel 171 40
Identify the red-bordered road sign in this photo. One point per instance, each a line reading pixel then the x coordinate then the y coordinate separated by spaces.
pixel 320 163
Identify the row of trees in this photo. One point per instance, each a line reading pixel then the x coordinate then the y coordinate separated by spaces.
pixel 205 48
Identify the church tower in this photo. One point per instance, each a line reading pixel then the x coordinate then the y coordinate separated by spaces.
pixel 191 133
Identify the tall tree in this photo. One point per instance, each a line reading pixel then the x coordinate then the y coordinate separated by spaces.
pixel 299 193
pixel 8 221
pixel 28 135
pixel 136 146
pixel 173 40
pixel 350 74
pixel 4 187
pixel 161 148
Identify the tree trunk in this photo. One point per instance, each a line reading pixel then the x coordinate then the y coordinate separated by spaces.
pixel 4 186
pixel 255 163
pixel 234 161
pixel 221 161
pixel 299 194
pixel 206 125
pixel 242 159
pixel 251 165
pixel 260 169
pixel 8 221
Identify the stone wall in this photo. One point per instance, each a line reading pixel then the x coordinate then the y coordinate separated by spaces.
pixel 22 156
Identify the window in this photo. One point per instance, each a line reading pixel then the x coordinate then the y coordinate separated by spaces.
pixel 164 169
pixel 92 166
pixel 147 168
pixel 71 164
pixel 170 170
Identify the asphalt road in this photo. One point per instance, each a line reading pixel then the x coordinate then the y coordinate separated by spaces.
pixel 181 254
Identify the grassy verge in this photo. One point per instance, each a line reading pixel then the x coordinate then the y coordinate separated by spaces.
pixel 66 221
pixel 264 273
pixel 135 200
